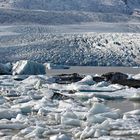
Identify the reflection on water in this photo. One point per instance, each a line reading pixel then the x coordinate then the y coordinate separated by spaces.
pixel 124 105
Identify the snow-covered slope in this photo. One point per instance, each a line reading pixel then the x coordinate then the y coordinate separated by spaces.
pixel 121 6
pixel 15 16
pixel 62 5
pixel 70 11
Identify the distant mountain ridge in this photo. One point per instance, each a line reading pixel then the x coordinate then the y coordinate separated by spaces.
pixel 107 6
pixel 52 12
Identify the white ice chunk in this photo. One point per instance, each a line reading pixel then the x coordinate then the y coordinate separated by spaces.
pixel 87 133
pixel 98 108
pixel 14 126
pixel 54 66
pixel 88 80
pixel 47 93
pixel 27 130
pixel 9 113
pixel 99 113
pixel 135 97
pixel 64 104
pixel 35 133
pixel 26 67
pixel 102 84
pixel 24 107
pixel 21 118
pixel 60 137
pixel 95 119
pixel 134 112
pixel 137 76
pixel 69 118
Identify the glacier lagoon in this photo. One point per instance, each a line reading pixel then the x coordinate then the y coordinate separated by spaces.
pixel 36 106
pixel 91 70
pixel 42 106
pixel 39 107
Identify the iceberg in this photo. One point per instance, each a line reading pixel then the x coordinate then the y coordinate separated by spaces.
pixel 9 113
pixel 5 69
pixel 69 118
pixel 55 66
pixel 136 77
pixel 135 97
pixel 26 67
pixel 87 80
pixel 60 137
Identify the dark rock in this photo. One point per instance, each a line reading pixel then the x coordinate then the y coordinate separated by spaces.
pixel 117 43
pixel 114 76
pixel 128 82
pixel 98 79
pixel 122 79
pixel 59 96
pixel 68 78
pixel 20 77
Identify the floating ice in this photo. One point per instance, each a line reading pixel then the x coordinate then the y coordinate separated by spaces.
pixel 69 118
pixel 88 80
pixel 54 66
pixel 29 110
pixel 95 131
pixel 47 93
pixel 134 112
pixel 21 118
pixel 9 113
pixel 37 132
pixel 25 107
pixel 98 108
pixel 26 67
pixel 135 97
pixel 99 113
pixel 14 126
pixel 60 137
pixel 137 76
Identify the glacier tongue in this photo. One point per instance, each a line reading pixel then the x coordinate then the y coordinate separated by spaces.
pixel 94 49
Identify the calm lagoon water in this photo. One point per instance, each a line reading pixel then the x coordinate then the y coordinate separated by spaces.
pixel 94 70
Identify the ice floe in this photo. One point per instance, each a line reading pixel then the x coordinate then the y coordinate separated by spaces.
pixel 54 66
pixel 35 107
pixel 26 67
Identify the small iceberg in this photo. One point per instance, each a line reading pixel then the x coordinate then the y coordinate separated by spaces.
pixel 26 67
pixel 60 137
pixel 87 80
pixel 135 97
pixel 55 66
pixel 136 77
